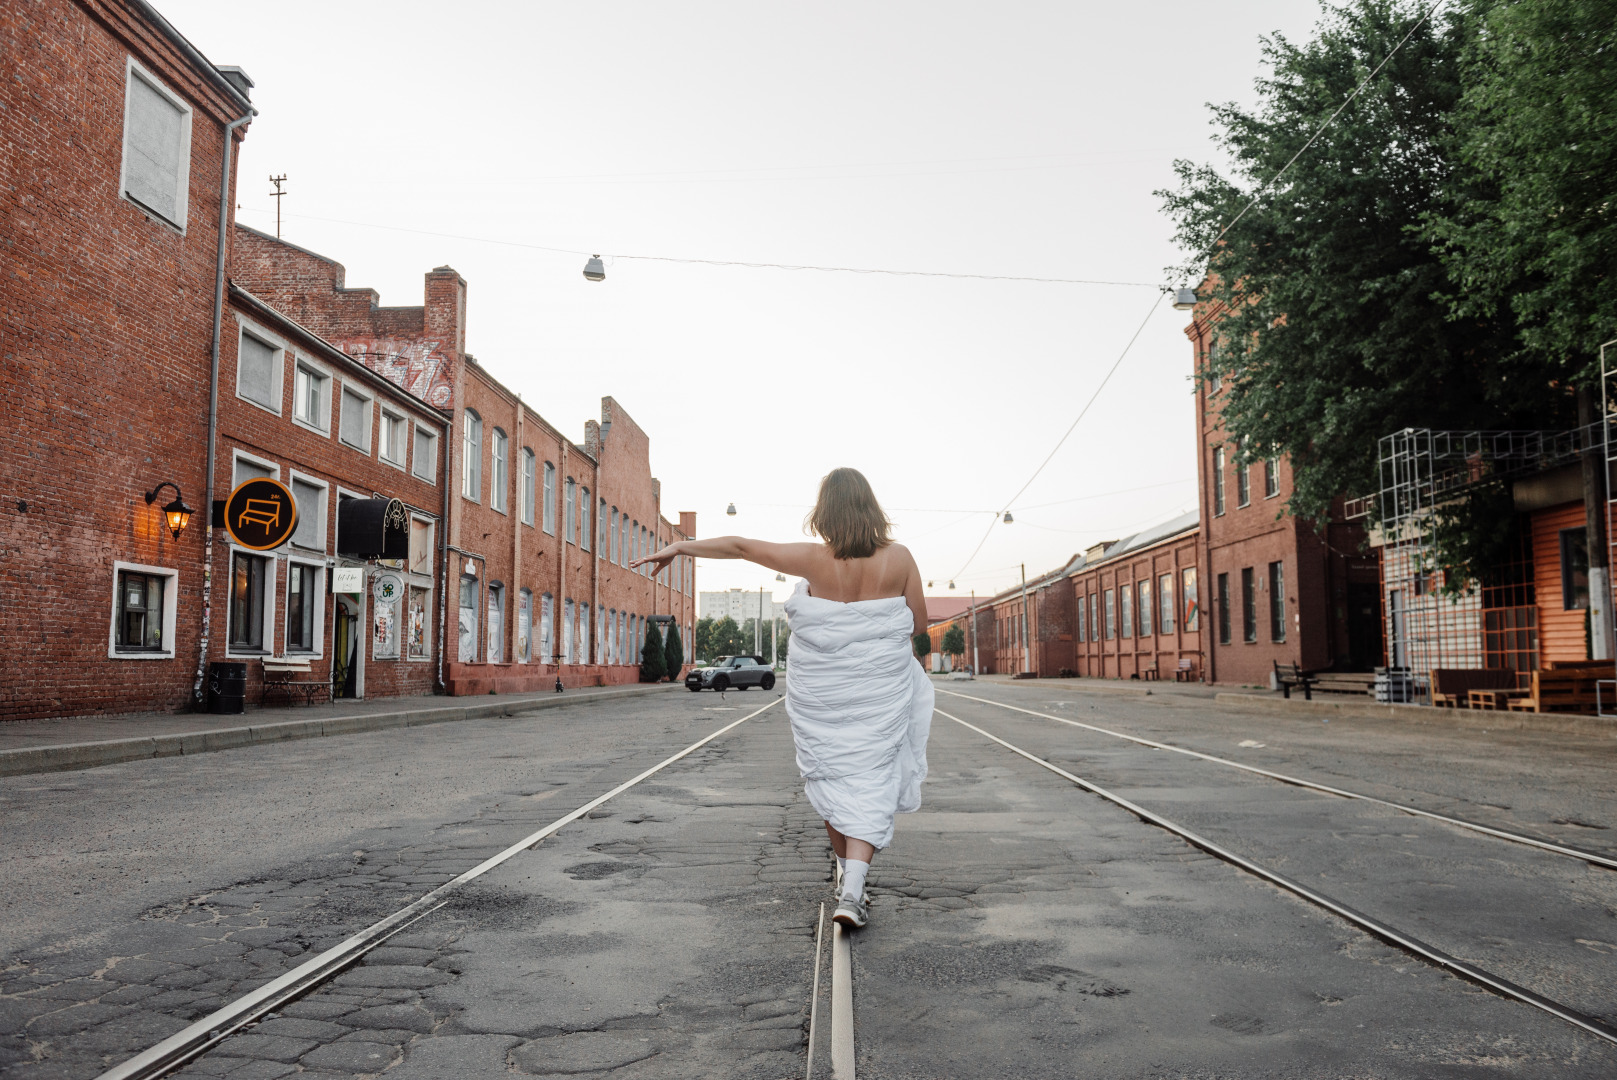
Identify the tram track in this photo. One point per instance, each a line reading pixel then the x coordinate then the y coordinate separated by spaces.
pixel 1374 926
pixel 1593 858
pixel 200 1036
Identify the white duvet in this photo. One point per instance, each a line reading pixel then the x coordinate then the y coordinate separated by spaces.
pixel 861 710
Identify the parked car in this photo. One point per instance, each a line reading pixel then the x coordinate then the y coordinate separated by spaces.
pixel 732 673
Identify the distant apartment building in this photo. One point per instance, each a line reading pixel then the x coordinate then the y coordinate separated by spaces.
pixel 740 605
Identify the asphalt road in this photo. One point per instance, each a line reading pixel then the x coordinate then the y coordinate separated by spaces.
pixel 1021 927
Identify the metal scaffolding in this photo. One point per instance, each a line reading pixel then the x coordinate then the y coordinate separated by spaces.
pixel 1420 471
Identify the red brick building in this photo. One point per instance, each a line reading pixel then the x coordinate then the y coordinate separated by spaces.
pixel 1275 588
pixel 540 530
pixel 116 135
pixel 1137 604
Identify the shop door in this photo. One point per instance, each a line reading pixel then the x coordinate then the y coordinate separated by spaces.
pixel 345 657
pixel 1364 625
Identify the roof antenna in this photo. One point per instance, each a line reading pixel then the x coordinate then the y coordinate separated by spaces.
pixel 276 195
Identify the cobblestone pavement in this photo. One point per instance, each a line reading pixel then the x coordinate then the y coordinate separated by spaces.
pixel 1020 926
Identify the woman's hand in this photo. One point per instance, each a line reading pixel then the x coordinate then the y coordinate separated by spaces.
pixel 660 559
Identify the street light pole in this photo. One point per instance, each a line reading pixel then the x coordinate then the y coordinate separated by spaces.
pixel 758 626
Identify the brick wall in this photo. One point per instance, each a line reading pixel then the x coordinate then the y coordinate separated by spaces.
pixel 105 330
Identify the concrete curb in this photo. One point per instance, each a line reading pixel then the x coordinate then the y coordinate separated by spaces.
pixel 89 755
pixel 1476 719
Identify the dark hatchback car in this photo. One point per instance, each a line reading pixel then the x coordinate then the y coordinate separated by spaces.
pixel 732 673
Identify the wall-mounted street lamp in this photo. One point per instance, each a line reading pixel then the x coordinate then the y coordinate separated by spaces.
pixel 177 513
pixel 594 269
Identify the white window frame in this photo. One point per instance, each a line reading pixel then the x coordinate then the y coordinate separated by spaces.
pixel 271 596
pixel 586 510
pixel 134 70
pixel 325 504
pixel 415 463
pixel 499 469
pixel 547 513
pixel 527 493
pixel 388 413
pixel 471 457
pixel 171 595
pixel 324 373
pixel 569 511
pixel 263 463
pixel 277 375
pixel 351 386
pixel 319 650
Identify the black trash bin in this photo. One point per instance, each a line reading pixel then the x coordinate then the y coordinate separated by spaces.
pixel 227 687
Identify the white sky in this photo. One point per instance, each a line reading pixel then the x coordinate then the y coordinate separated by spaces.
pixel 1012 138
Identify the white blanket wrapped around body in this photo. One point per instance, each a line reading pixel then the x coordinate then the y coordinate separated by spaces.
pixel 861 710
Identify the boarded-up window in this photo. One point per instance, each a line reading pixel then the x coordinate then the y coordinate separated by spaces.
pixel 157 149
pixel 248 470
pixel 420 546
pixel 310 500
pixel 356 417
pixel 255 372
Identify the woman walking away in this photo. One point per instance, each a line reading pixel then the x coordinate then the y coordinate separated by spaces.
pixel 859 701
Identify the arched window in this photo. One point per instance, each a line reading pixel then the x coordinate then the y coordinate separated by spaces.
pixel 498 481
pixel 550 499
pixel 569 508
pixel 471 456
pixel 527 486
pixel 612 556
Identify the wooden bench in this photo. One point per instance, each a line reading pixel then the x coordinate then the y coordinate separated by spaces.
pixel 1345 682
pixel 1291 675
pixel 1186 671
pixel 1150 673
pixel 1569 689
pixel 282 676
pixel 1451 687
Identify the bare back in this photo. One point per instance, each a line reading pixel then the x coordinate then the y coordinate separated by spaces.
pixel 884 574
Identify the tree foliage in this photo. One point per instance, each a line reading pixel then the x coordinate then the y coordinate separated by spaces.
pixel 954 640
pixel 1535 227
pixel 702 638
pixel 653 665
pixel 673 652
pixel 1337 320
pixel 922 643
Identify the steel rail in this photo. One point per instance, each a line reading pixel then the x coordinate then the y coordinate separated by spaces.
pixel 212 1029
pixel 1581 854
pixel 814 995
pixel 1371 925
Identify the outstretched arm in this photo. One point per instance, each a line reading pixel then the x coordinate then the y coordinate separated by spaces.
pixel 793 559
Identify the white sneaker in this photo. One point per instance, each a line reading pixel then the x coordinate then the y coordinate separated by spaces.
pixel 852 913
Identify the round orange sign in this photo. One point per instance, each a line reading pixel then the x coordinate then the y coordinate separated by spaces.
pixel 261 514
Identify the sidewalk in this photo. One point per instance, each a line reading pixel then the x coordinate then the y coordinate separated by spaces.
pixel 1133 687
pixel 84 742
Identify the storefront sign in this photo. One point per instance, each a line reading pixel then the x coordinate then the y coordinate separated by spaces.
pixel 261 514
pixel 387 588
pixel 348 580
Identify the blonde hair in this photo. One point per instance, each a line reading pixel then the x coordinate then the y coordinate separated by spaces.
pixel 847 516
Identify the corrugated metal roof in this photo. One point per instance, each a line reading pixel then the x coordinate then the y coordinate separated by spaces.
pixel 1146 537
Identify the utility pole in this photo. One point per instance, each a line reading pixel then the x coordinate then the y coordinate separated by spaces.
pixel 277 194
pixel 1025 655
pixel 758 626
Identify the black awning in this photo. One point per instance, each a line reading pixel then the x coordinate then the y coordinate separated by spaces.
pixel 373 529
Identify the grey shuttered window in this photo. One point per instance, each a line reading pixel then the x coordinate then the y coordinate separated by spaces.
pixel 157 149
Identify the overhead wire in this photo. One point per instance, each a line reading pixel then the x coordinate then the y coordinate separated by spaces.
pixel 1312 139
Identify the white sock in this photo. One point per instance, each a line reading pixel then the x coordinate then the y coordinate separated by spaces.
pixel 842 866
pixel 853 879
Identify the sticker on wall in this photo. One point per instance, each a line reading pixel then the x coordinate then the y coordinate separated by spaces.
pixel 261 514
pixel 388 588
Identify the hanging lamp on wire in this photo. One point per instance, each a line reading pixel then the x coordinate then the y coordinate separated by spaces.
pixel 594 269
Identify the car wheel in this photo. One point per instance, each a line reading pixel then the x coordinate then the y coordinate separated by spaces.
pixel 722 683
pixel 768 683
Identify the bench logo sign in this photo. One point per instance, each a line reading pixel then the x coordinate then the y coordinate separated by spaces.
pixel 261 514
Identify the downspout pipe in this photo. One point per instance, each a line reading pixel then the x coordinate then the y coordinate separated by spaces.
pixel 198 700
pixel 443 559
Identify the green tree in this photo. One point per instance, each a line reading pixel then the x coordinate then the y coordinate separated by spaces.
pixel 785 641
pixel 673 652
pixel 702 639
pixel 653 665
pixel 725 640
pixel 1332 325
pixel 922 643
pixel 1536 228
pixel 954 640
